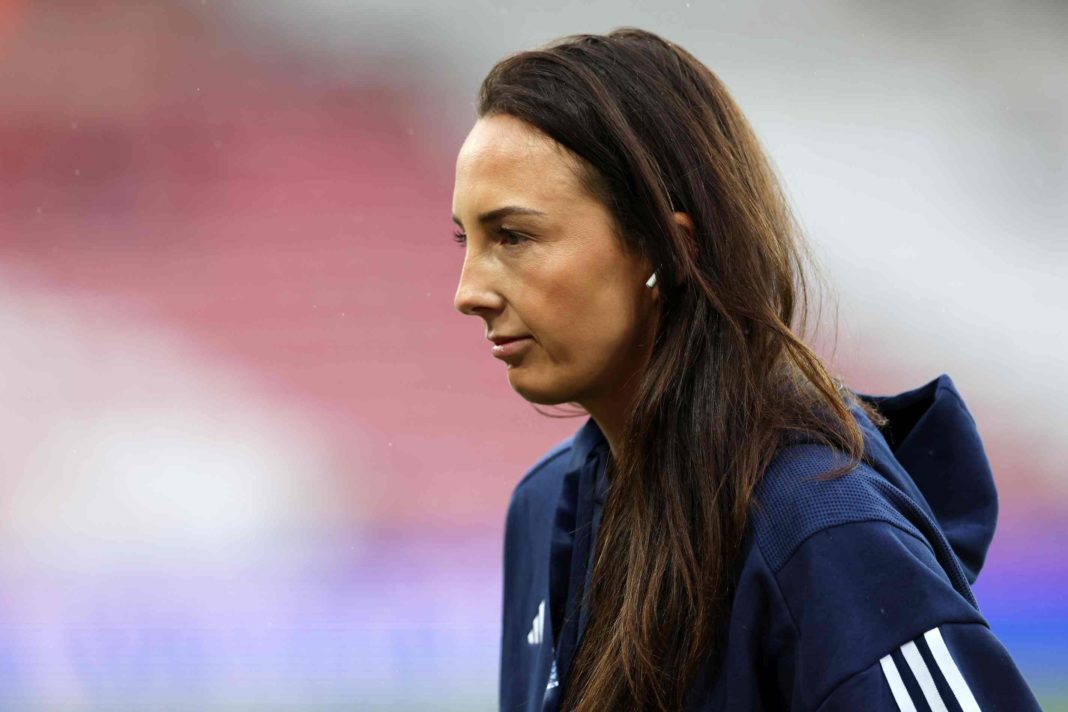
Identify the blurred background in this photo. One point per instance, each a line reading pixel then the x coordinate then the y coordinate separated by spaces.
pixel 251 457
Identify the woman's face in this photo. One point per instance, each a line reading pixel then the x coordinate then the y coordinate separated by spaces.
pixel 542 261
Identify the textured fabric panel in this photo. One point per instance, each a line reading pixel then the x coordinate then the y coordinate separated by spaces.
pixel 792 503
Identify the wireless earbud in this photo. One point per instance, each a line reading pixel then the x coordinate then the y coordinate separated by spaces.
pixel 651 282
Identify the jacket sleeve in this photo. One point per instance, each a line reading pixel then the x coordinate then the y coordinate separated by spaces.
pixel 880 627
pixel 958 667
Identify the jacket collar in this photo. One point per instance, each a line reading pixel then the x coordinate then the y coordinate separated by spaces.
pixel 587 438
pixel 588 441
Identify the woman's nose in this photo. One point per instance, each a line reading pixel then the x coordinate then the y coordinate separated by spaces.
pixel 474 293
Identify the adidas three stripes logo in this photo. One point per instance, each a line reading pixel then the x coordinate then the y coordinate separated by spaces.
pixel 958 695
pixel 537 628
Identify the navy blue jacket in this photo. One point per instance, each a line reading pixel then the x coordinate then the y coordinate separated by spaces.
pixel 854 593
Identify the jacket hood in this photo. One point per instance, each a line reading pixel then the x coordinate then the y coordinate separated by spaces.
pixel 932 437
pixel 930 449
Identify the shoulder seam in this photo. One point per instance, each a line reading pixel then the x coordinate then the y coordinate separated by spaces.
pixel 869 520
pixel 778 589
pixel 872 482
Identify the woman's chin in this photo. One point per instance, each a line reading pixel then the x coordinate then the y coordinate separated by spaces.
pixel 525 385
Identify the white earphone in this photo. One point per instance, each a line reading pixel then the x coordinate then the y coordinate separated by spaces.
pixel 651 281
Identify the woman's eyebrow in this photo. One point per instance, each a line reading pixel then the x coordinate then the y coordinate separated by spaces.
pixel 499 213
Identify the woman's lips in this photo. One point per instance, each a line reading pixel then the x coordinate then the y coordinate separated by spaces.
pixel 511 348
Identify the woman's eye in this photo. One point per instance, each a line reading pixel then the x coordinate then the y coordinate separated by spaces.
pixel 509 235
pixel 512 239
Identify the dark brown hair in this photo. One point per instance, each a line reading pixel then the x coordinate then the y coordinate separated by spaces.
pixel 729 381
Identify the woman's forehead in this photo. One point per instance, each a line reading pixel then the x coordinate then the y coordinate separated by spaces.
pixel 503 147
pixel 504 161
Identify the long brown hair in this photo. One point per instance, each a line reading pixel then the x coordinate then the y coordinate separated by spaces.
pixel 729 381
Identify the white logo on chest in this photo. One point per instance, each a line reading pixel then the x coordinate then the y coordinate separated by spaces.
pixel 537 627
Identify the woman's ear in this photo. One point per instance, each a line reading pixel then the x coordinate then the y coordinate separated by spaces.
pixel 689 243
pixel 683 219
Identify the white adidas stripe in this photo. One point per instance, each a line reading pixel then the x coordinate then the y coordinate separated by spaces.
pixel 897 687
pixel 950 671
pixel 924 679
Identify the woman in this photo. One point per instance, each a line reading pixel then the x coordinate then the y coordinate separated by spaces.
pixel 732 528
